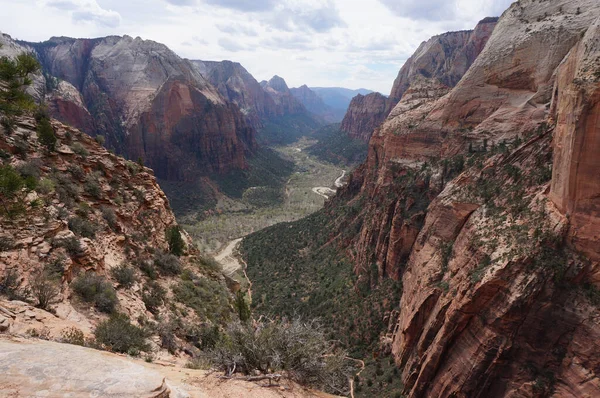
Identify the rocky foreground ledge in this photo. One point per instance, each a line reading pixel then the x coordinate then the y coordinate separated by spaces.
pixel 39 368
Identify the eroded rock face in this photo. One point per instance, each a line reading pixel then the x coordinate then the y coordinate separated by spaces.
pixel 365 113
pixel 239 87
pixel 460 204
pixel 314 104
pixel 278 89
pixel 123 81
pixel 576 107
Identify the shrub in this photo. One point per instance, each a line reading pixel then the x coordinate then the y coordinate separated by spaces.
pixel 93 288
pixel 298 347
pixel 100 139
pixel 124 275
pixel 148 269
pixel 6 243
pixel 45 186
pixel 44 288
pixel 167 264
pixel 76 171
pixel 80 149
pixel 207 297
pixel 166 332
pixel 153 296
pixel 241 306
pixel 176 243
pixel 82 227
pixel 118 334
pixel 110 217
pixel 74 336
pixel 72 246
pixel 92 187
pixel 45 133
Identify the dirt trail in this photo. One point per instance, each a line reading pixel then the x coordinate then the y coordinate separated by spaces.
pixel 327 192
pixel 228 259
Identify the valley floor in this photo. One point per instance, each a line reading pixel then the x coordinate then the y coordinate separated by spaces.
pixel 304 193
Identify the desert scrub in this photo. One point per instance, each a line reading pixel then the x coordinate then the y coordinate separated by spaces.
pixel 208 298
pixel 118 334
pixel 298 347
pixel 124 275
pixel 153 296
pixel 167 264
pixel 176 243
pixel 82 227
pixel 95 289
pixel 111 218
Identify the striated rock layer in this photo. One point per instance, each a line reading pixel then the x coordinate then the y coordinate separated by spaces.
pixel 147 102
pixel 482 200
pixel 365 113
pixel 433 70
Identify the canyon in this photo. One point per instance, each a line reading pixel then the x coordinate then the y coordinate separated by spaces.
pixel 446 235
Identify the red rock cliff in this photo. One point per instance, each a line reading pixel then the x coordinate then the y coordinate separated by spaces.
pixel 462 206
pixel 365 113
pixel 123 82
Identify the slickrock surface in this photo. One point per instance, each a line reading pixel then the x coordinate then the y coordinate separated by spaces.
pixel 37 368
pixel 47 369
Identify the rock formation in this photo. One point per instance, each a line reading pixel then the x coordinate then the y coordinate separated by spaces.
pixel 365 113
pixel 494 303
pixel 314 104
pixel 147 102
pixel 239 87
pixel 278 89
pixel 436 67
pixel 83 210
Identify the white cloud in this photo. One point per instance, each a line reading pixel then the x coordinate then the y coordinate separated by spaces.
pixel 87 11
pixel 352 43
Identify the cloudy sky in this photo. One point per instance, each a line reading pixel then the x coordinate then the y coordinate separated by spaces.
pixel 347 43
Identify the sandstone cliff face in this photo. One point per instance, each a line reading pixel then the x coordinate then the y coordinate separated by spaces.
pixel 314 104
pixel 576 109
pixel 239 87
pixel 278 89
pixel 445 58
pixel 364 114
pixel 461 206
pixel 121 80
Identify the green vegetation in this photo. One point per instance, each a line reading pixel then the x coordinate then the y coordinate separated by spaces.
pixel 124 275
pixel 298 347
pixel 45 132
pixel 263 206
pixel 167 264
pixel 265 169
pixel 153 296
pixel 206 296
pixel 380 378
pixel 335 146
pixel 176 243
pixel 95 289
pixel 302 272
pixel 118 334
pixel 287 129
pixel 44 288
pixel 82 227
pixel 15 74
